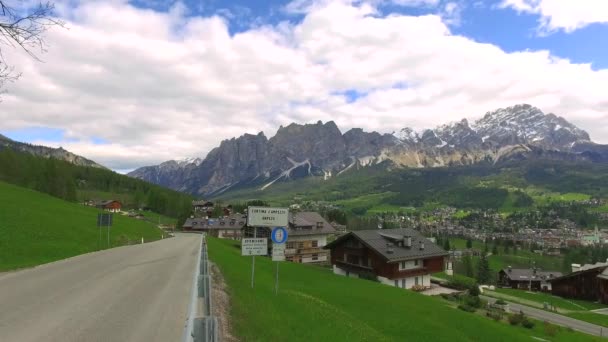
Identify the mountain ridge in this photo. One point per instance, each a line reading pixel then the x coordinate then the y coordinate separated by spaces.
pixel 322 150
pixel 47 152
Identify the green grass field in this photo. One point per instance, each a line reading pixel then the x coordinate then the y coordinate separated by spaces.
pixel 36 228
pixel 313 304
pixel 591 317
pixel 539 297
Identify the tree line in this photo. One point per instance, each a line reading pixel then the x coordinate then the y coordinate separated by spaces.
pixel 64 180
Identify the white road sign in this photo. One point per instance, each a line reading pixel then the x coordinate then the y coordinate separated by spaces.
pixel 256 246
pixel 278 252
pixel 267 217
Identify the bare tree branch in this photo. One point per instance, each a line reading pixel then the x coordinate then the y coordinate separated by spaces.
pixel 24 29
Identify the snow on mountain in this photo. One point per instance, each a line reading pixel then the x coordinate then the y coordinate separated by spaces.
pixel 322 150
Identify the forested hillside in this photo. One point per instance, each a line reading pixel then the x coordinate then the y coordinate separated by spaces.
pixel 506 187
pixel 76 183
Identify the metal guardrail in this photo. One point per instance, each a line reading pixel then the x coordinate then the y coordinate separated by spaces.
pixel 202 326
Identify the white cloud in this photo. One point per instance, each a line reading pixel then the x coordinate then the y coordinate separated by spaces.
pixel 567 15
pixel 159 86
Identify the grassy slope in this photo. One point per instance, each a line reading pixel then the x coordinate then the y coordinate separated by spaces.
pixel 567 304
pixel 36 228
pixel 521 259
pixel 313 304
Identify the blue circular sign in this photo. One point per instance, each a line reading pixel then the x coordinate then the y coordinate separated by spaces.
pixel 279 235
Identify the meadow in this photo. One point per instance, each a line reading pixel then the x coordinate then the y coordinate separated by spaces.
pixel 36 228
pixel 313 304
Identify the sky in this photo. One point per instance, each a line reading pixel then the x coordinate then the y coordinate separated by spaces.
pixel 135 83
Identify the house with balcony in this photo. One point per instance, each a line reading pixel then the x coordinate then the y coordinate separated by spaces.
pixel 227 227
pixel 396 257
pixel 307 235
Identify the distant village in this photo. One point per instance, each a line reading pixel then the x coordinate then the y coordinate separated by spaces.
pixel 404 254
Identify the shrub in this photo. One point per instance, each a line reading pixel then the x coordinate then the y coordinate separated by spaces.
pixel 527 323
pixel 474 290
pixel 550 329
pixel 516 319
pixel 500 302
pixel 473 301
pixel 495 315
pixel 467 308
pixel 418 288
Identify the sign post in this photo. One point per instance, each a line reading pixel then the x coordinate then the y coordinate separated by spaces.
pixel 279 237
pixel 262 217
pixel 104 220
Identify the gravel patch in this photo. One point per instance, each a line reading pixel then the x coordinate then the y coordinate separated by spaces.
pixel 221 305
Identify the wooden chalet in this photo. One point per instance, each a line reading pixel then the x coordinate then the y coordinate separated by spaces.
pixel 113 206
pixel 396 257
pixel 526 278
pixel 307 235
pixel 202 208
pixel 588 282
pixel 229 227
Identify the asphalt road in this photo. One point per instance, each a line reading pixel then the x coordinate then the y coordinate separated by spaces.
pixel 557 319
pixel 134 293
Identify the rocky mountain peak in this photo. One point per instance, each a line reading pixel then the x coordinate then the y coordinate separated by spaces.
pixel 320 149
pixel 525 124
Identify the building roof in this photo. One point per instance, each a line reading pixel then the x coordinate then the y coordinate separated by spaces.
pixel 305 223
pixel 99 203
pixel 527 274
pixel 600 267
pixel 202 203
pixel 383 241
pixel 236 221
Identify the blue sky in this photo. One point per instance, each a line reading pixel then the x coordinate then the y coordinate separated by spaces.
pixel 153 95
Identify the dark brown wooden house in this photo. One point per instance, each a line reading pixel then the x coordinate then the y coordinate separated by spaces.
pixel 589 282
pixel 396 257
pixel 527 278
pixel 113 206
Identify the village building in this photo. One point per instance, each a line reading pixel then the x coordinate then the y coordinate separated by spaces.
pixel 229 227
pixel 531 279
pixel 307 235
pixel 112 206
pixel 202 208
pixel 587 282
pixel 396 257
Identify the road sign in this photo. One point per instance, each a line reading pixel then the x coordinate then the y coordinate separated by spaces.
pixel 279 235
pixel 104 220
pixel 278 252
pixel 256 246
pixel 267 217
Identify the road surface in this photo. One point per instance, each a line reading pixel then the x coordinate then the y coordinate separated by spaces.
pixel 133 293
pixel 557 319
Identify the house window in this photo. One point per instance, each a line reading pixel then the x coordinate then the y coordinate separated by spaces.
pixel 319 224
pixel 315 257
pixel 416 281
pixel 315 243
pixel 300 245
pixel 291 245
pixel 396 282
pixel 403 283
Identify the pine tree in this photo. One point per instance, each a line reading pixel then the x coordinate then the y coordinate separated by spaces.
pixel 469 244
pixel 495 250
pixel 446 244
pixel 467 265
pixel 483 271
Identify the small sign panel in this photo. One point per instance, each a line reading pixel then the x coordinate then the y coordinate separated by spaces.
pixel 279 235
pixel 278 252
pixel 255 246
pixel 104 220
pixel 267 217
